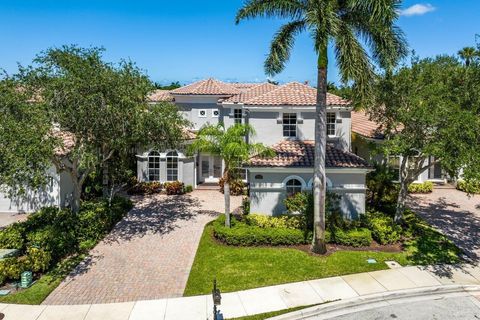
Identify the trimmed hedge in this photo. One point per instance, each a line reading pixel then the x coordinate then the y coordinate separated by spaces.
pixel 361 237
pixel 241 234
pixel 51 234
pixel 284 221
pixel 471 187
pixel 425 187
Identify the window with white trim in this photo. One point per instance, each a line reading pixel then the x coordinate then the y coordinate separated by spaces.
pixel 154 166
pixel 293 186
pixel 331 124
pixel 289 125
pixel 202 113
pixel 215 113
pixel 237 116
pixel 394 166
pixel 172 166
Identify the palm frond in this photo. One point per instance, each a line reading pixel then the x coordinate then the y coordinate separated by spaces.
pixel 352 59
pixel 282 45
pixel 270 8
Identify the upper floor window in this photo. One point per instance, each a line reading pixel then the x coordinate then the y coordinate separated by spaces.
pixel 293 186
pixel 237 116
pixel 202 113
pixel 172 166
pixel 289 125
pixel 394 165
pixel 215 113
pixel 331 124
pixel 154 166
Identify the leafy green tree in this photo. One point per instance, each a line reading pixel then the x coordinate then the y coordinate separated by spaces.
pixel 171 86
pixel 425 117
pixel 469 55
pixel 346 25
pixel 230 144
pixel 25 140
pixel 100 110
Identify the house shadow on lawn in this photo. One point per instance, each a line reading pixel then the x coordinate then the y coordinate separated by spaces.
pixel 453 220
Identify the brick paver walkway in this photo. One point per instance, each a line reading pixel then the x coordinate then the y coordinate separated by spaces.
pixel 455 214
pixel 148 255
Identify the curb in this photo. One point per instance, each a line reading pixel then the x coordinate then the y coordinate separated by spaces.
pixel 343 307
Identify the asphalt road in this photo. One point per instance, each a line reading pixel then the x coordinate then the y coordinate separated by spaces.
pixel 453 308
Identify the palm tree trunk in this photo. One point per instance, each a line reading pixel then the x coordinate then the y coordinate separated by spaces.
pixel 226 195
pixel 319 177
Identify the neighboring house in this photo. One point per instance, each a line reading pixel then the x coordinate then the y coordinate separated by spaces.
pixel 367 136
pixel 283 117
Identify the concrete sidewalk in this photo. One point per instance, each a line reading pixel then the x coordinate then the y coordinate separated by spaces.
pixel 260 300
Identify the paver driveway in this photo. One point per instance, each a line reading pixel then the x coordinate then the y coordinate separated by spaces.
pixel 455 214
pixel 149 253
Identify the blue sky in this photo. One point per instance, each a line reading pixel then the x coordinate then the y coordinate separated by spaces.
pixel 191 39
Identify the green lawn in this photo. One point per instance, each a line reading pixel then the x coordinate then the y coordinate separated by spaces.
pixel 43 286
pixel 239 268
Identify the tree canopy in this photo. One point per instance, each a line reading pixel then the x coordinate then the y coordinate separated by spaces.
pixel 427 110
pixel 99 109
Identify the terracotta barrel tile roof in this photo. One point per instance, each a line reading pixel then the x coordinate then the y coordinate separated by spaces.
pixel 294 153
pixel 290 94
pixel 160 95
pixel 207 87
pixel 362 125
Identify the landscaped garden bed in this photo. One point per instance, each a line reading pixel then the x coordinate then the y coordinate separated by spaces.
pixel 262 251
pixel 51 242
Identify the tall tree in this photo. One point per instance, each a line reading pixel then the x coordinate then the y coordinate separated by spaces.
pixel 428 120
pixel 468 55
pixel 346 25
pixel 230 144
pixel 99 109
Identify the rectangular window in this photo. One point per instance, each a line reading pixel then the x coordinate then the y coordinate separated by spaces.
pixel 289 125
pixel 237 116
pixel 154 168
pixel 331 124
pixel 172 166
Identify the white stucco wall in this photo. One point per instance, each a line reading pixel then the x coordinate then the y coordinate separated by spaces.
pixel 267 194
pixel 33 200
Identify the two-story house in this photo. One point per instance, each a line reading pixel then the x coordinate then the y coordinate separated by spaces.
pixel 283 118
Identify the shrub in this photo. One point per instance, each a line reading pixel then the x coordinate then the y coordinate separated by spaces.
pixel 383 228
pixel 39 260
pixel 12 268
pixel 188 188
pixel 12 237
pixel 382 192
pixel 284 221
pixel 245 205
pixel 241 234
pixel 469 186
pixel 355 238
pixel 150 187
pixel 237 186
pixel 57 242
pixel 425 187
pixel 174 188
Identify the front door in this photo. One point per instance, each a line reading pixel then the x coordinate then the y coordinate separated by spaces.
pixel 210 168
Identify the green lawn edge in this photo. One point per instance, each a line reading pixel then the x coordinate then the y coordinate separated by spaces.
pixel 241 268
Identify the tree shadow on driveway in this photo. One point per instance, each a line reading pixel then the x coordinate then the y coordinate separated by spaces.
pixel 459 221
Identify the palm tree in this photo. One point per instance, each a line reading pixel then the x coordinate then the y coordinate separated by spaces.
pixel 230 144
pixel 346 25
pixel 468 54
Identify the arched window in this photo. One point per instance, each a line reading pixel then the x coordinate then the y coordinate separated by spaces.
pixel 172 166
pixel 293 186
pixel 154 166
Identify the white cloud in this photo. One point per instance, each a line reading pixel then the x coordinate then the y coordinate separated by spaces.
pixel 418 9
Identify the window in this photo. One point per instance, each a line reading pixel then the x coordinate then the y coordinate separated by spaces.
pixel 154 166
pixel 172 166
pixel 202 113
pixel 290 125
pixel 237 116
pixel 394 165
pixel 331 124
pixel 258 177
pixel 293 187
pixel 215 113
